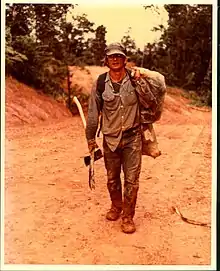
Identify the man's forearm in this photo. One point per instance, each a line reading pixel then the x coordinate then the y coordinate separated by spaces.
pixel 93 115
pixel 91 129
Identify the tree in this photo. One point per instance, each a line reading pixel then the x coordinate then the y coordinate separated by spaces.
pixel 19 19
pixel 12 57
pixel 129 43
pixel 48 21
pixel 36 42
pixel 184 51
pixel 81 30
pixel 41 43
pixel 188 40
pixel 134 54
pixel 98 45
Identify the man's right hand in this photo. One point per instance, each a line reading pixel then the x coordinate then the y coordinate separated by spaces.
pixel 92 145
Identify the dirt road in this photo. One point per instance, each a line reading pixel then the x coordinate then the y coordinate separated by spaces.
pixel 52 217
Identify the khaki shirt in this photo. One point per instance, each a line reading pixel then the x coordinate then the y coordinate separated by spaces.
pixel 120 111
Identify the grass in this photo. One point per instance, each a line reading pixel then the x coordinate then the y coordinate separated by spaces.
pixel 195 99
pixel 192 96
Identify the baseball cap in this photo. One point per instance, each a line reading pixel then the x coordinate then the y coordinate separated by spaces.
pixel 115 48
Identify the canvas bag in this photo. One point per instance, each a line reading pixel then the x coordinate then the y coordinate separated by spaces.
pixel 151 89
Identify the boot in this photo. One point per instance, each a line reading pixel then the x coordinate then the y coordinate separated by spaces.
pixel 116 199
pixel 128 225
pixel 114 213
pixel 130 197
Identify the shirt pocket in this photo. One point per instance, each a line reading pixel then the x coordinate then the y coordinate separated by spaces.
pixel 110 101
pixel 130 97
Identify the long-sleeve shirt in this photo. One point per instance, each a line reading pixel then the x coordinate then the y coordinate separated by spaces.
pixel 120 111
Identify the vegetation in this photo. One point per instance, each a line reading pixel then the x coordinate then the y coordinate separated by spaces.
pixel 41 43
pixel 184 52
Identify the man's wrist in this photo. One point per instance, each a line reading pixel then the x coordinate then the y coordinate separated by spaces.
pixel 91 144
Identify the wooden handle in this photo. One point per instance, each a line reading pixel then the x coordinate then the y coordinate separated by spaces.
pixel 80 110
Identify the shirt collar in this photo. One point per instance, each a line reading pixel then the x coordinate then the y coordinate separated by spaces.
pixel 126 78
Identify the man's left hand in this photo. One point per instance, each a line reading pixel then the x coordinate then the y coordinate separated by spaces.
pixel 138 72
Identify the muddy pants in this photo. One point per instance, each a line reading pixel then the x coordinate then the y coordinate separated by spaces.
pixel 128 157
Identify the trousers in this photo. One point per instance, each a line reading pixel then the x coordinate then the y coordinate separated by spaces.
pixel 126 157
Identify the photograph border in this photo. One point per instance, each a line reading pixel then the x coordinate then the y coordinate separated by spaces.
pixel 215 135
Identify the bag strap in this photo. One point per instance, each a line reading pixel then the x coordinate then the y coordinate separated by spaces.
pixel 101 86
pixel 131 78
pixel 100 89
pixel 101 82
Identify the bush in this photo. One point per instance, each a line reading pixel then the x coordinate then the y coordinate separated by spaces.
pixel 35 66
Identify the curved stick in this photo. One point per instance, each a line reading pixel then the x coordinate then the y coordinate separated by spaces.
pixel 80 110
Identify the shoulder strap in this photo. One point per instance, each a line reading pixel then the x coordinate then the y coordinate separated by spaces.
pixel 101 85
pixel 102 77
pixel 131 78
pixel 100 89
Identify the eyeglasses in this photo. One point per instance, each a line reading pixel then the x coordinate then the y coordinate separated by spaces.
pixel 115 56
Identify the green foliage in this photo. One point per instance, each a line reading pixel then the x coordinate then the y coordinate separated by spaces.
pixel 35 66
pixel 195 98
pixel 49 72
pixel 77 41
pixel 12 57
pixel 129 43
pixel 134 54
pixel 19 18
pixel 33 38
pixel 184 51
pixel 98 45
pixel 82 97
pixel 49 19
pixel 41 43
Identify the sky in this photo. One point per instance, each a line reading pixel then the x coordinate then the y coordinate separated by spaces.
pixel 117 18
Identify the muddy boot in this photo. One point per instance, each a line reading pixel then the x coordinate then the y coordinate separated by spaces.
pixel 128 225
pixel 113 214
pixel 116 199
pixel 130 197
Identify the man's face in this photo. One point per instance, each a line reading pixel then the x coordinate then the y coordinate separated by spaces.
pixel 116 62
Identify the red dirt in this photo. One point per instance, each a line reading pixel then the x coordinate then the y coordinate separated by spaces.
pixel 52 217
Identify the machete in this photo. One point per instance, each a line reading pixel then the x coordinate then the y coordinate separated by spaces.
pixel 95 155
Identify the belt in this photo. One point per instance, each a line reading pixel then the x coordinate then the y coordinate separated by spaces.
pixel 131 131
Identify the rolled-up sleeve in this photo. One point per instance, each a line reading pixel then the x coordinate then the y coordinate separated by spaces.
pixel 94 108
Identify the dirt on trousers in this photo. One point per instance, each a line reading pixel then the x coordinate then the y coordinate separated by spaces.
pixel 52 217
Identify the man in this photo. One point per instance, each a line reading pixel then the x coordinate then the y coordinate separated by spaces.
pixel 122 143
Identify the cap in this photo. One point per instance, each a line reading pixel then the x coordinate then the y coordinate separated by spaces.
pixel 115 48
